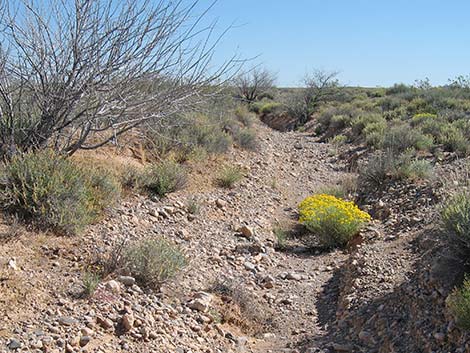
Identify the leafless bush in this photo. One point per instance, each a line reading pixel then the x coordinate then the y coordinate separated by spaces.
pixel 252 85
pixel 77 74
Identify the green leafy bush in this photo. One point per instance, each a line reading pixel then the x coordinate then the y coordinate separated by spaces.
pixel 269 107
pixel 399 138
pixel 332 220
pixel 55 193
pixel 152 261
pixel 458 303
pixel 165 177
pixel 229 176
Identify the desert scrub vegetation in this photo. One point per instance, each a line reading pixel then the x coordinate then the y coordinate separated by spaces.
pixel 90 282
pixel 458 303
pixel 455 222
pixel 164 177
pixel 229 176
pixel 333 221
pixel 55 193
pixel 151 261
pixel 383 166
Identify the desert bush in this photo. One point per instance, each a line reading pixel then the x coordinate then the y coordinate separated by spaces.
pixel 165 177
pixel 152 261
pixel 90 283
pixel 374 133
pixel 332 220
pixel 412 168
pixel 345 187
pixel 229 176
pixel 458 303
pixel 244 116
pixel 247 139
pixel 362 121
pixel 399 138
pixel 270 107
pixel 55 193
pixel 131 178
pixel 454 140
pixel 193 206
pixel 455 222
pixel 419 119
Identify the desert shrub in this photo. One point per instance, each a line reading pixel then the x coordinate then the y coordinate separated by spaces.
pixel 362 121
pixel 165 177
pixel 399 88
pixel 378 169
pixel 247 139
pixel 244 116
pixel 229 176
pixel 338 140
pixel 374 133
pixel 55 193
pixel 270 107
pixel 345 187
pixel 455 222
pixel 131 178
pixel 399 138
pixel 458 303
pixel 184 134
pixel 90 283
pixel 152 261
pixel 419 119
pixel 332 220
pixel 193 206
pixel 409 167
pixel 255 107
pixel 454 140
pixel 281 233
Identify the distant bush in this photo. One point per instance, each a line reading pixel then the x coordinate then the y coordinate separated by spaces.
pixel 229 176
pixel 165 177
pixel 332 220
pixel 455 220
pixel 152 261
pixel 55 193
pixel 362 121
pixel 454 140
pixel 399 138
pixel 458 303
pixel 421 118
pixel 411 168
pixel 270 107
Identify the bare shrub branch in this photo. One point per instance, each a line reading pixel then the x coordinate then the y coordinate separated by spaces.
pixel 77 74
pixel 252 85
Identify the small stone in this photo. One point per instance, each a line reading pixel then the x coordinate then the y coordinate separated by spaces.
pixel 113 286
pixel 249 266
pixel 14 344
pixel 67 321
pixel 221 203
pixel 342 347
pixel 12 264
pixel 439 336
pixel 127 322
pixel 104 322
pixel 246 231
pixel 86 331
pixel 84 340
pixel 126 280
pixel 294 276
pixel 201 302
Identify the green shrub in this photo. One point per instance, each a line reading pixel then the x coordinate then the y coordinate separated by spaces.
pixel 90 283
pixel 399 138
pixel 377 170
pixel 458 303
pixel 374 133
pixel 55 193
pixel 193 206
pixel 362 121
pixel 270 107
pixel 244 116
pixel 165 177
pixel 419 119
pixel 454 140
pixel 131 178
pixel 229 176
pixel 332 220
pixel 247 139
pixel 152 261
pixel 455 220
pixel 410 167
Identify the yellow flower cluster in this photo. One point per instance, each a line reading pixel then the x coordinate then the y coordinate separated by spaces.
pixel 333 221
pixel 317 207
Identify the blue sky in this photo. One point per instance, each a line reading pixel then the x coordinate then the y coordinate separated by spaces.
pixel 371 43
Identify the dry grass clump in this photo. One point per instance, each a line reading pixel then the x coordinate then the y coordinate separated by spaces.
pixel 165 177
pixel 229 176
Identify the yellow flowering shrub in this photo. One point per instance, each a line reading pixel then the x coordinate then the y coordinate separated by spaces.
pixel 332 220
